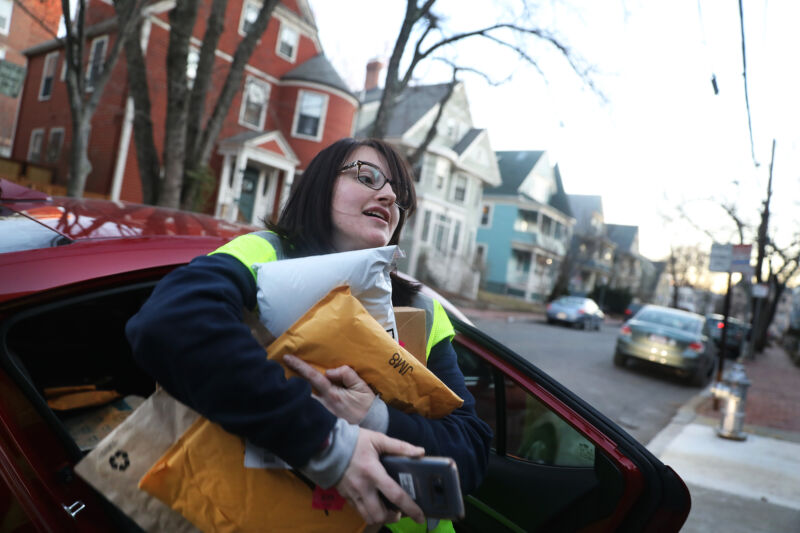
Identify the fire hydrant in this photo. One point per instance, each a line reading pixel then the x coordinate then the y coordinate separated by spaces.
pixel 733 389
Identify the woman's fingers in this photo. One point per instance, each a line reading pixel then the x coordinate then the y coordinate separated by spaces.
pixel 318 380
pixel 345 375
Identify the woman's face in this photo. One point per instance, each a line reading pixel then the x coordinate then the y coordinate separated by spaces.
pixel 362 217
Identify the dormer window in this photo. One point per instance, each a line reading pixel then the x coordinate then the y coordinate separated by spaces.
pixel 249 15
pixel 288 39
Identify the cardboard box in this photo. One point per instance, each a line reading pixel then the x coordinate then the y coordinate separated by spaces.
pixel 411 331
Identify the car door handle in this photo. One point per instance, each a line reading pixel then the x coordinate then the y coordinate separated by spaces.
pixel 75 508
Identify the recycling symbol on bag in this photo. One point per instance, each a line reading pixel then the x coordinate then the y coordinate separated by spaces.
pixel 119 461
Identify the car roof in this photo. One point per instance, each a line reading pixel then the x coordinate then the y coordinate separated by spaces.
pixel 81 219
pixel 98 231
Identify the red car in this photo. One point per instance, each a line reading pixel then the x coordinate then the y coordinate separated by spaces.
pixel 73 271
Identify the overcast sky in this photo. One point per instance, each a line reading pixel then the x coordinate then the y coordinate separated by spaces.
pixel 662 137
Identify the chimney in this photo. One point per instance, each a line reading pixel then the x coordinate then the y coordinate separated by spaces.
pixel 373 74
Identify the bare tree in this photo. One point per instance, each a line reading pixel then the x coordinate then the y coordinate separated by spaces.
pixel 686 264
pixel 421 19
pixel 85 85
pixel 188 139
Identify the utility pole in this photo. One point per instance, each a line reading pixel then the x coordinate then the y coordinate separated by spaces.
pixel 755 326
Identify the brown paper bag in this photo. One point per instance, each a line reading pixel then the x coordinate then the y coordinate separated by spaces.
pixel 115 466
pixel 411 331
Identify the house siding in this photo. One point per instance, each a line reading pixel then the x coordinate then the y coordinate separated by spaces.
pixel 265 65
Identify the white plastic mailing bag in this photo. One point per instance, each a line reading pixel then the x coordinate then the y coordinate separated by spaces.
pixel 289 288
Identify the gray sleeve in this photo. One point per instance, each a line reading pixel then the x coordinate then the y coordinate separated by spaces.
pixel 377 418
pixel 327 467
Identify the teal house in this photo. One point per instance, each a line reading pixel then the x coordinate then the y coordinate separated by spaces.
pixel 525 227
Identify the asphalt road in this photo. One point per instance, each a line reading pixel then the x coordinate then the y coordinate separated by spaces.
pixel 642 400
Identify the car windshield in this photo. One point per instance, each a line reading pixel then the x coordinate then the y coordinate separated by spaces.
pixel 571 301
pixel 18 233
pixel 670 320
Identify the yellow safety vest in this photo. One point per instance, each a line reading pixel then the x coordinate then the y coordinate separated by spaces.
pixel 265 246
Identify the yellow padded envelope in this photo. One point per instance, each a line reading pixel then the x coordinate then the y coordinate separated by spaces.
pixel 338 331
pixel 203 474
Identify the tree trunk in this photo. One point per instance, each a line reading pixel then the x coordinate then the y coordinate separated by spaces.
pixel 80 165
pixel 232 83
pixel 197 101
pixel 146 151
pixel 392 86
pixel 181 20
pixel 434 129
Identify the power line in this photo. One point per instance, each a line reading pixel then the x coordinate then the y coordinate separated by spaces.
pixel 744 76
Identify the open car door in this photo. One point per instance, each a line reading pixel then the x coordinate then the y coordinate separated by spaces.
pixel 556 463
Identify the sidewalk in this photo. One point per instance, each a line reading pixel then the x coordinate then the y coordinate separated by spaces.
pixel 752 485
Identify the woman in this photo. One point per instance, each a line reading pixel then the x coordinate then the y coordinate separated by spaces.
pixel 190 336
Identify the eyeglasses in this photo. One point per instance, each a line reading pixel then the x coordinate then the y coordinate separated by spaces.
pixel 370 175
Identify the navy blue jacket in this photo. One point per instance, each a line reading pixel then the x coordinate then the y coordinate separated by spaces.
pixel 190 337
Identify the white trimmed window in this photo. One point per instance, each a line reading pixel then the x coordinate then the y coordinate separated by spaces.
pixel 441 232
pixel 288 38
pixel 309 115
pixel 527 221
pixel 35 146
pixel 426 226
pixel 96 58
pixel 6 7
pixel 460 188
pixel 480 253
pixel 486 215
pixel 48 75
pixel 456 236
pixel 254 103
pixel 54 144
pixel 250 11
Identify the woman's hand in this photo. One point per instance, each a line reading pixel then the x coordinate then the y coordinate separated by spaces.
pixel 365 476
pixel 340 389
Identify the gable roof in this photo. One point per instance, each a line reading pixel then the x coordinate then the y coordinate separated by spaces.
pixel 514 167
pixel 585 204
pixel 412 104
pixel 622 236
pixel 559 199
pixel 467 140
pixel 318 70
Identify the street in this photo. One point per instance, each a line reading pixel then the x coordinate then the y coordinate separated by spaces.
pixel 641 400
pixel 644 401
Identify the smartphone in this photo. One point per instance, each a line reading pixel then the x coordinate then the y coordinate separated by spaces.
pixel 432 482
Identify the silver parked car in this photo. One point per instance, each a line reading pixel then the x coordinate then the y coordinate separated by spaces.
pixel 668 337
pixel 575 311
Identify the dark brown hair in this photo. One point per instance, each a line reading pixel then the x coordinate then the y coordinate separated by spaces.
pixel 305 223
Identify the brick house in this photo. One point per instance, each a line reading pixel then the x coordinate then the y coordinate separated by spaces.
pixel 20 28
pixel 292 103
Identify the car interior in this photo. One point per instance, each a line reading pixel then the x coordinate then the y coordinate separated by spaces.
pixel 566 481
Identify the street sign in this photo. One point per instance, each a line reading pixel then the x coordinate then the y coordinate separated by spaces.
pixel 720 259
pixel 740 259
pixel 760 290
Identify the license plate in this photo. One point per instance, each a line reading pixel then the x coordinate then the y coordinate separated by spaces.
pixel 658 339
pixel 561 315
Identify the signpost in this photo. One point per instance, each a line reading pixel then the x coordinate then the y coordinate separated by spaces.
pixel 728 258
pixel 740 259
pixel 720 259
